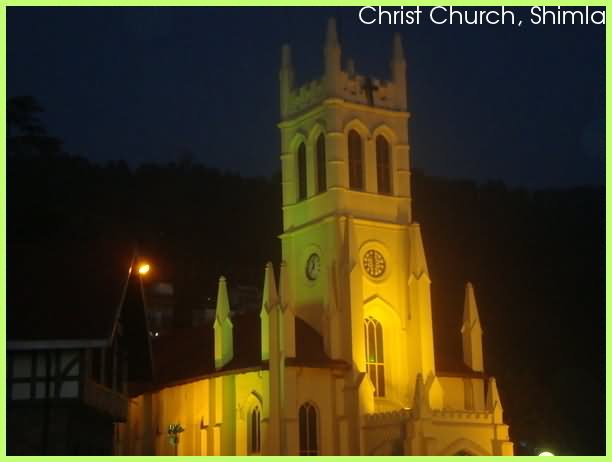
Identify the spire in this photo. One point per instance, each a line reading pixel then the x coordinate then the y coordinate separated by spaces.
pixel 286 56
pixel 398 49
pixel 332 59
pixel 420 403
pixel 350 67
pixel 398 73
pixel 470 310
pixel 268 303
pixel 283 286
pixel 223 307
pixel 224 329
pixel 331 38
pixel 471 332
pixel 270 295
pixel 493 401
pixel 286 79
pixel 417 261
pixel 272 350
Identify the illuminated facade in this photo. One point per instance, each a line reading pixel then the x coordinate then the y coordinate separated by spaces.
pixel 353 284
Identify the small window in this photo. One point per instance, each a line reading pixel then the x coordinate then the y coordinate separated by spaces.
pixel 374 355
pixel 255 431
pixel 301 158
pixel 355 152
pixel 321 165
pixel 383 165
pixel 309 444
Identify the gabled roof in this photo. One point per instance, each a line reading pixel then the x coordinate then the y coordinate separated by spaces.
pixel 185 355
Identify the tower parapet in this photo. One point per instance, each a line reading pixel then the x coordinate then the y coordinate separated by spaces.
pixel 343 83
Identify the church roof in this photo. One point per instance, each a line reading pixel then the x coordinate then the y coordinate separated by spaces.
pixel 185 355
pixel 449 365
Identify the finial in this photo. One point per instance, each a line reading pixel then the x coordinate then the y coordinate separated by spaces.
pixel 470 309
pixel 350 67
pixel 286 56
pixel 283 285
pixel 224 343
pixel 286 79
pixel 471 332
pixel 493 401
pixel 398 50
pixel 420 403
pixel 398 73
pixel 270 295
pixel 331 40
pixel 223 307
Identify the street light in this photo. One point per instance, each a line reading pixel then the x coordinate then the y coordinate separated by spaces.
pixel 143 268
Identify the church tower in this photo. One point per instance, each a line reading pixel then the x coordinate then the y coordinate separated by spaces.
pixel 345 364
pixel 354 259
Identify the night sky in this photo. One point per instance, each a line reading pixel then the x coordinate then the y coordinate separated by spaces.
pixel 523 105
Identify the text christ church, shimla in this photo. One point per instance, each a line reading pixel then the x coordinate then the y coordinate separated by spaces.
pixel 340 360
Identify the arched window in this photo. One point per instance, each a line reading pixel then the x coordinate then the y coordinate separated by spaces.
pixel 309 436
pixel 321 164
pixel 355 153
pixel 255 431
pixel 374 355
pixel 301 159
pixel 383 165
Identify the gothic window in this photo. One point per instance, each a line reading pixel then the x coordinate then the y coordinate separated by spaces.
pixel 383 165
pixel 321 164
pixel 355 154
pixel 301 159
pixel 255 431
pixel 309 444
pixel 374 355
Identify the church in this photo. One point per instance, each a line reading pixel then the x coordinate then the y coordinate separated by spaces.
pixel 340 358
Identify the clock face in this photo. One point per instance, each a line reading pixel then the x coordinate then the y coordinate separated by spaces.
pixel 374 263
pixel 313 266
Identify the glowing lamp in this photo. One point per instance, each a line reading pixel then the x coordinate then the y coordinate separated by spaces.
pixel 144 268
pixel 546 453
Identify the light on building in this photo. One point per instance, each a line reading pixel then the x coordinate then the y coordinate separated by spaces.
pixel 546 453
pixel 144 268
